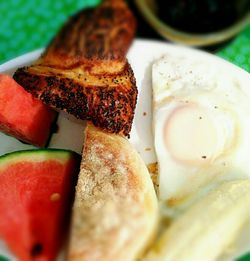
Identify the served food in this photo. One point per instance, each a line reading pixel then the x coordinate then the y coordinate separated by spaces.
pixel 201 128
pixel 84 70
pixel 210 229
pixel 35 200
pixel 201 137
pixel 21 114
pixel 115 211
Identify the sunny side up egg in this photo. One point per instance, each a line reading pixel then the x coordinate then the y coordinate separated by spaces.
pixel 201 126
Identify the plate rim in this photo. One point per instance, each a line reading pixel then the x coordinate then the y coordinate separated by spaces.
pixel 32 55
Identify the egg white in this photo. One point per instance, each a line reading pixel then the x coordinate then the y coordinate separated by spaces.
pixel 179 82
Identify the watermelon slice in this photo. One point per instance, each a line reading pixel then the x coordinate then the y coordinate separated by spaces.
pixel 23 116
pixel 36 192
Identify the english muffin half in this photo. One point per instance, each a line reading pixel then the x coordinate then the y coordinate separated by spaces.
pixel 115 212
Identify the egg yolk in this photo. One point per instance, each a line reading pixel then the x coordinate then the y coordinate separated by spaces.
pixel 190 135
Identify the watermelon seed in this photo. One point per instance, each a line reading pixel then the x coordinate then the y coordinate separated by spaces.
pixel 55 197
pixel 36 250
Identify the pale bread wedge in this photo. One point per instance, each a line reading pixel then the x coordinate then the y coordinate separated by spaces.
pixel 115 212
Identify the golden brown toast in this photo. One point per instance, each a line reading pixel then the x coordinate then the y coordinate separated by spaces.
pixel 84 70
pixel 115 212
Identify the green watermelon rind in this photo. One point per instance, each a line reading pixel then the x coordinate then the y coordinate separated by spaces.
pixel 66 157
pixel 37 155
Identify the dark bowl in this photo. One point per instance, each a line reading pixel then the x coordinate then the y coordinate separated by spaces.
pixel 149 11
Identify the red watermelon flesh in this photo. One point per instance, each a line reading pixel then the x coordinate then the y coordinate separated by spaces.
pixel 23 116
pixel 37 189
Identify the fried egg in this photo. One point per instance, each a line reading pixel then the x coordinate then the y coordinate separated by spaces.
pixel 201 126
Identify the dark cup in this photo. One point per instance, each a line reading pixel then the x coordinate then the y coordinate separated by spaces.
pixel 196 22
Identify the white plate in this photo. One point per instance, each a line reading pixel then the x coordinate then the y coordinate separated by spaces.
pixel 141 56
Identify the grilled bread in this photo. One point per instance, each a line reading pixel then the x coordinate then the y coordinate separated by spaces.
pixel 84 70
pixel 115 208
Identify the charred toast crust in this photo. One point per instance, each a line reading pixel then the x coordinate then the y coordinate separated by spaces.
pixel 107 107
pixel 84 70
pixel 102 33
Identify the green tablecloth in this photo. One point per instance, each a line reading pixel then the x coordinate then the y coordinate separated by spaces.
pixel 238 51
pixel 26 25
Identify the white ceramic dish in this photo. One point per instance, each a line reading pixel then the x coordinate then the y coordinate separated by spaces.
pixel 141 56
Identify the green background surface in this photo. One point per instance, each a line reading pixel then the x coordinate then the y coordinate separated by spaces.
pixel 2 258
pixel 26 25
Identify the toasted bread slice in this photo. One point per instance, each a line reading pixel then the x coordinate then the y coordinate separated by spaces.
pixel 115 208
pixel 84 70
